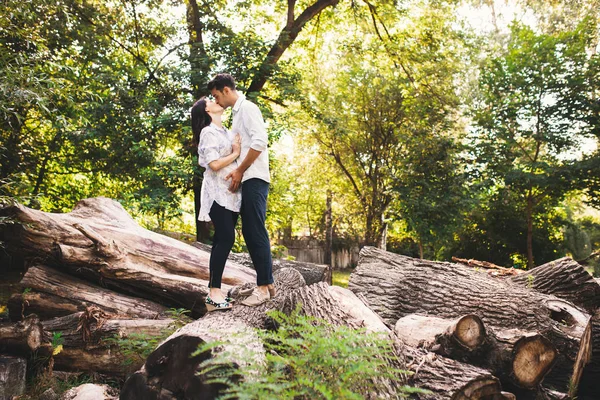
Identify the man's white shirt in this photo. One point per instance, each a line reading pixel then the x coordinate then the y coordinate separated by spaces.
pixel 249 123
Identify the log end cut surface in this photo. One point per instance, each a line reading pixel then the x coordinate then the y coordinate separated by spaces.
pixel 534 356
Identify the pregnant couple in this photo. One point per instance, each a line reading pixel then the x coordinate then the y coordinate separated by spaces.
pixel 236 183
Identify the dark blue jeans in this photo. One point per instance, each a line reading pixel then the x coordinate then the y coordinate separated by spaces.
pixel 224 222
pixel 254 212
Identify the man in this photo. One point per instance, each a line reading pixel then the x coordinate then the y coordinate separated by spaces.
pixel 253 175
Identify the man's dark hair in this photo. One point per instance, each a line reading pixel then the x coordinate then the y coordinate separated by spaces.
pixel 220 81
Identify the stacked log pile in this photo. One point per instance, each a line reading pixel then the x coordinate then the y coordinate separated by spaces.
pixel 94 274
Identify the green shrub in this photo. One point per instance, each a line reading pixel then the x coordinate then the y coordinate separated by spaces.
pixel 309 359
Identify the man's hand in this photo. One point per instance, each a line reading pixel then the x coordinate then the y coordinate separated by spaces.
pixel 236 178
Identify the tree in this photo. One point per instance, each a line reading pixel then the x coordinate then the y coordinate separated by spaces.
pixel 389 99
pixel 537 103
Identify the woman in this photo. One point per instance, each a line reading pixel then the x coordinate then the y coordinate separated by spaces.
pixel 218 150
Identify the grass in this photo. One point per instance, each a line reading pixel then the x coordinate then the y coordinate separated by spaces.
pixel 341 277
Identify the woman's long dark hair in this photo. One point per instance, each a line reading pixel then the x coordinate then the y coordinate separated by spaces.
pixel 200 119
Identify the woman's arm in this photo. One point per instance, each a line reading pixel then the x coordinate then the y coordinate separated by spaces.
pixel 225 161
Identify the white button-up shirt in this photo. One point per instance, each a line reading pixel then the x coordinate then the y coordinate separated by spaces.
pixel 249 123
pixel 215 143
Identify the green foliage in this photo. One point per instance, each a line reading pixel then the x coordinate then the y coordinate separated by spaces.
pixel 538 103
pixel 341 277
pixel 309 359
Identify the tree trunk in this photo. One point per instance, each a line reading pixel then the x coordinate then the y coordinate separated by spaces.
pixel 100 239
pixel 564 278
pixel 529 218
pixel 395 286
pixel 57 294
pixel 21 338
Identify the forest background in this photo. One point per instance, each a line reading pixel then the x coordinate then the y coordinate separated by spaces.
pixel 437 128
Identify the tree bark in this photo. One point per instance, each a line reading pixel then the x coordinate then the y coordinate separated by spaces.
pixel 288 34
pixel 99 238
pixel 21 338
pixel 395 286
pixel 519 359
pixel 87 343
pixel 564 278
pixel 57 294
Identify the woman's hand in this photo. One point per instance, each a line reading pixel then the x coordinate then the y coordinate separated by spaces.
pixel 236 145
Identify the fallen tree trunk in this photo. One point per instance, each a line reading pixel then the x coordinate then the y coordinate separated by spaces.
pixel 395 286
pixel 170 369
pixel 21 338
pixel 564 278
pixel 58 294
pixel 90 341
pixel 99 237
pixel 312 273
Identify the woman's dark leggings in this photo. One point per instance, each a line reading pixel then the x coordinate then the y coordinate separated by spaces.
pixel 224 222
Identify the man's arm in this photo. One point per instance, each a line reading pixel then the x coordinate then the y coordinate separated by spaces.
pixel 255 125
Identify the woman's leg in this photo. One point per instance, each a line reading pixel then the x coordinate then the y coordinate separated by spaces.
pixel 224 223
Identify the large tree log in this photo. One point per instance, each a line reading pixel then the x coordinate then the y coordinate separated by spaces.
pixel 564 278
pixel 58 294
pixel 519 359
pixel 100 238
pixel 312 273
pixel 87 341
pixel 170 369
pixel 395 286
pixel 21 338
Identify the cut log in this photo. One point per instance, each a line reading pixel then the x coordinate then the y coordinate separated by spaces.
pixel 21 338
pixel 467 333
pixel 395 286
pixel 519 359
pixel 58 294
pixel 87 341
pixel 312 273
pixel 170 369
pixel 564 278
pixel 99 237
